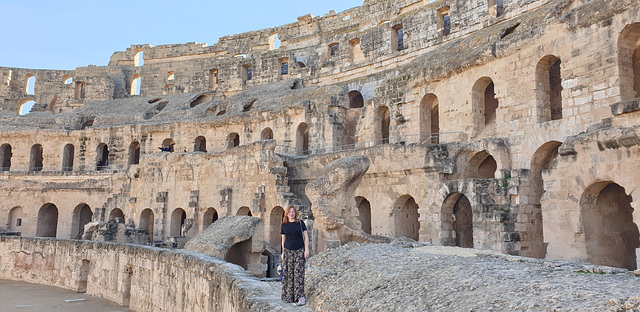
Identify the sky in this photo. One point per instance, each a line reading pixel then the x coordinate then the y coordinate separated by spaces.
pixel 66 34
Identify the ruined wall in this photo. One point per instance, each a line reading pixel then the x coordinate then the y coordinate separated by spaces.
pixel 142 278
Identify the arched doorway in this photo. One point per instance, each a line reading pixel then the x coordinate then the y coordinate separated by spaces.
pixel 102 157
pixel 611 236
pixel 35 158
pixel 267 134
pixel 406 218
pixel 233 140
pixel 47 225
pixel 134 153
pixel 482 166
pixel 275 222
pixel 81 215
pixel 210 216
pixel 116 213
pixel 5 157
pixel 67 157
pixel 244 211
pixel 457 221
pixel 302 139
pixel 429 119
pixel 383 124
pixel 147 222
pixel 200 144
pixel 484 103
pixel 178 217
pixel 364 213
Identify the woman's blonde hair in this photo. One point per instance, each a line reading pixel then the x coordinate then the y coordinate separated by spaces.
pixel 285 220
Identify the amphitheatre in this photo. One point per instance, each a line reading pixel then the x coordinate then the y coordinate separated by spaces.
pixel 508 129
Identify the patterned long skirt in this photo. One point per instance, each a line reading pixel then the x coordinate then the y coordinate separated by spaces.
pixel 293 275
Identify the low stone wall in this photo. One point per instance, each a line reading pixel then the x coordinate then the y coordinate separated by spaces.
pixel 144 278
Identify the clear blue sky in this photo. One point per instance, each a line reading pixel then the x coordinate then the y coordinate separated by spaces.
pixel 66 34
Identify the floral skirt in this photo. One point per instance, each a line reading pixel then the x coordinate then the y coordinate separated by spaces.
pixel 293 275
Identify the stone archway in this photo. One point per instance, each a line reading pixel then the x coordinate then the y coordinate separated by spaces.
pixel 178 217
pixel 364 213
pixel 405 218
pixel 457 221
pixel 275 222
pixel 81 215
pixel 47 225
pixel 611 236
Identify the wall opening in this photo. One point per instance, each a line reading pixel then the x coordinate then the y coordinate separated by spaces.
pixel 333 49
pixel 47 225
pixel 284 66
pixel 83 275
pixel 171 75
pixel 5 157
pixel 26 107
pixel 178 217
pixel 364 214
pixel 357 55
pixel 135 84
pixel 102 157
pixel 355 99
pixel 82 215
pixel 484 103
pixel 167 145
pixel 16 214
pixel 482 166
pixel 457 221
pixel 444 21
pixel 35 158
pixel 274 42
pixel 210 216
pixel 275 222
pixel 67 157
pixel 397 37
pixel 79 91
pixel 213 78
pixel 406 218
pixel 244 211
pixel 116 213
pixel 239 254
pixel 247 72
pixel 496 8
pixel 67 80
pixel 549 89
pixel 233 140
pixel 629 62
pixel 383 121
pixel 302 139
pixel 429 119
pixel 30 87
pixel 147 221
pixel 200 144
pixel 134 153
pixel 138 59
pixel 267 134
pixel 611 236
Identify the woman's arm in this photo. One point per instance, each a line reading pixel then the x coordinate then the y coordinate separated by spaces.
pixel 305 236
pixel 282 243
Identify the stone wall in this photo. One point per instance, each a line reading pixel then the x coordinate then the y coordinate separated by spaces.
pixel 143 278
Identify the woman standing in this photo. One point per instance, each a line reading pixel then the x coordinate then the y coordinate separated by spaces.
pixel 295 250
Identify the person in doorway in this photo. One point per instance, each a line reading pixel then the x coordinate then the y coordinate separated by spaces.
pixel 295 251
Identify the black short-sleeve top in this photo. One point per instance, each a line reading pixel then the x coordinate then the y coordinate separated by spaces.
pixel 292 232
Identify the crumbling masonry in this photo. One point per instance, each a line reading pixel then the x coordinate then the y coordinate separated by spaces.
pixel 504 125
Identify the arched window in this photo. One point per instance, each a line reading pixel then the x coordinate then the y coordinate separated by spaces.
pixel 67 80
pixel 383 121
pixel 147 222
pixel 267 134
pixel 67 157
pixel 274 42
pixel 485 103
pixel 116 213
pixel 244 211
pixel 82 215
pixel 135 84
pixel 355 99
pixel 26 107
pixel 31 84
pixel 5 157
pixel 178 217
pixel 302 139
pixel 209 217
pixel 629 62
pixel 167 145
pixel 200 144
pixel 233 140
pixel 138 59
pixel 35 158
pixel 134 153
pixel 102 157
pixel 429 119
pixel 47 225
pixel 549 89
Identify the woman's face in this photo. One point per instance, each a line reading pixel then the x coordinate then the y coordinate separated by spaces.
pixel 292 214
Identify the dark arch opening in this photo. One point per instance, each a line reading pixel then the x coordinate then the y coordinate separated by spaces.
pixel 406 218
pixel 457 221
pixel 35 159
pixel 356 100
pixel 200 144
pixel 67 157
pixel 82 215
pixel 47 225
pixel 102 157
pixel 5 157
pixel 364 213
pixel 178 217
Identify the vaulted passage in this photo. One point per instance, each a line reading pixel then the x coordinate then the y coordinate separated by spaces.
pixel 178 217
pixel 405 218
pixel 200 144
pixel 81 216
pixel 364 214
pixel 607 218
pixel 47 221
pixel 147 222
pixel 457 221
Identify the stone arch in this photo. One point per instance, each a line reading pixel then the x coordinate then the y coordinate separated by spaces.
pixel 457 221
pixel 210 216
pixel 178 217
pixel 102 157
pixel 302 139
pixel 611 236
pixel 364 213
pixel 355 99
pixel 484 103
pixel 275 222
pixel 244 211
pixel 82 215
pixel 5 157
pixel 147 222
pixel 25 107
pixel 233 140
pixel 429 118
pixel 200 144
pixel 629 61
pixel 30 86
pixel 542 160
pixel 267 134
pixel 116 213
pixel 482 166
pixel 47 225
pixel 383 123
pixel 136 83
pixel 67 79
pixel 35 158
pixel 67 157
pixel 134 153
pixel 15 219
pixel 138 59
pixel 406 218
pixel 548 89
